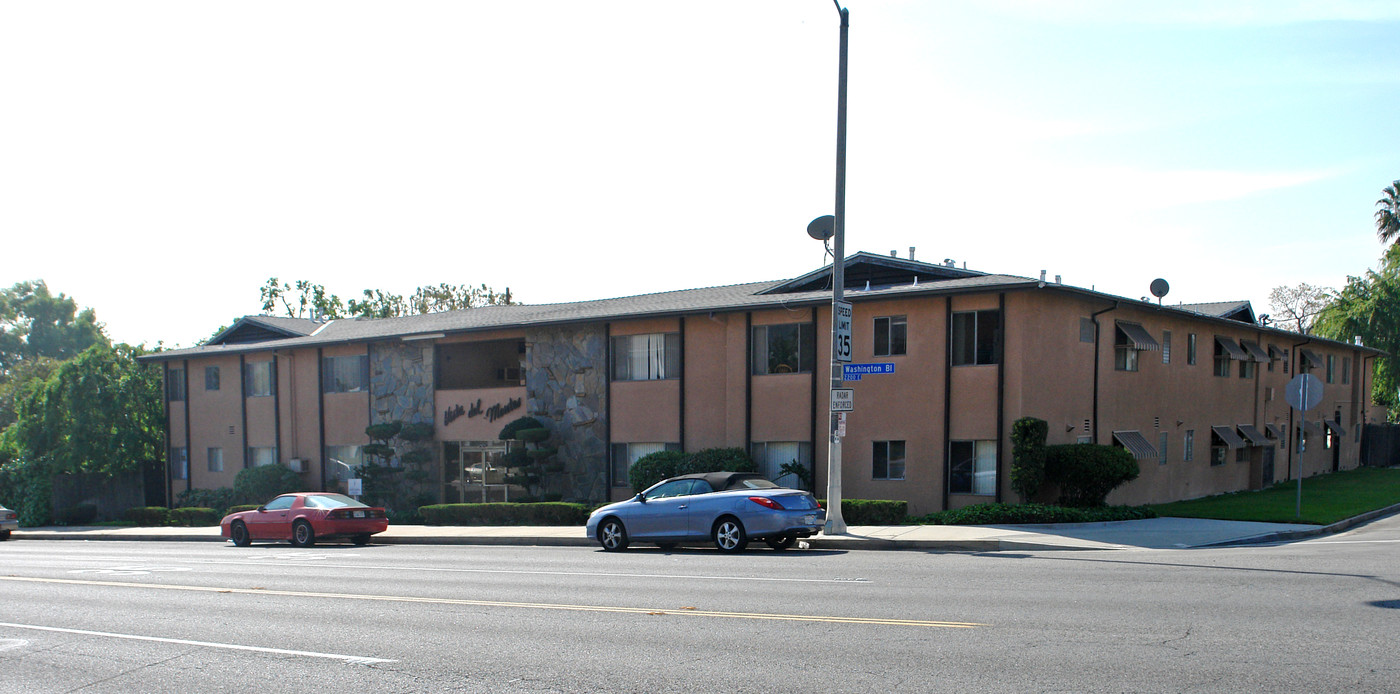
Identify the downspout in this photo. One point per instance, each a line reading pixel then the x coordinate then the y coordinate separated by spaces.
pixel 1094 431
pixel 321 412
pixel 1001 391
pixel 1293 445
pixel 243 407
pixel 165 405
pixel 189 467
pixel 748 382
pixel 813 435
pixel 276 408
pixel 607 412
pixel 947 395
pixel 681 359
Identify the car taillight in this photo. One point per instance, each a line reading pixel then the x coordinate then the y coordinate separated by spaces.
pixel 766 503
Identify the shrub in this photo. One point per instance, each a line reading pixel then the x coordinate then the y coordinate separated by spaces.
pixel 217 499
pixel 1014 514
pixel 1087 472
pixel 416 431
pixel 544 513
pixel 719 460
pixel 257 485
pixel 148 515
pixel 654 467
pixel 508 433
pixel 871 511
pixel 194 516
pixel 81 514
pixel 27 487
pixel 1028 456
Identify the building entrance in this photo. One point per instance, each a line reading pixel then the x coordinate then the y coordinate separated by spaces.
pixel 472 472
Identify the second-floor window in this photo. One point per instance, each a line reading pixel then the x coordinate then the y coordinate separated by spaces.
pixel 649 357
pixel 891 335
pixel 257 378
pixel 976 338
pixel 211 378
pixel 785 348
pixel 345 374
pixel 175 385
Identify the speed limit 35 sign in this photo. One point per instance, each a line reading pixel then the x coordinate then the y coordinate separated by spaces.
pixel 841 350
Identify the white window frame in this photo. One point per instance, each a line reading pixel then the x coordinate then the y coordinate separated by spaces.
pixel 646 357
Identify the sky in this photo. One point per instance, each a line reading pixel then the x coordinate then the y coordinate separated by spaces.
pixel 160 161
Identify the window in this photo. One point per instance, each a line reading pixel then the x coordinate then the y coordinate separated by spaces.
pixel 345 374
pixel 216 459
pixel 787 348
pixel 1247 368
pixel 341 461
pixel 973 468
pixel 646 357
pixel 1162 440
pixel 211 378
pixel 1191 349
pixel 1222 359
pixel 1166 346
pixel 625 454
pixel 1346 370
pixel 976 338
pixel 1125 353
pixel 487 364
pixel 1331 368
pixel 179 463
pixel 280 503
pixel 771 456
pixel 175 385
pixel 1218 454
pixel 260 456
pixel 677 488
pixel 1188 446
pixel 891 336
pixel 257 379
pixel 887 463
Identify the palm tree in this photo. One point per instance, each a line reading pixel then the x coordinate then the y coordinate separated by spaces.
pixel 1388 216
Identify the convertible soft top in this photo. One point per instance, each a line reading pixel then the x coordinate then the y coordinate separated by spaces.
pixel 722 481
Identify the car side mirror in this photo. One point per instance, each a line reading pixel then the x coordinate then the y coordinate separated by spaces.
pixel 262 509
pixel 640 498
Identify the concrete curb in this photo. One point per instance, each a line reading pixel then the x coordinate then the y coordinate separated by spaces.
pixel 1291 535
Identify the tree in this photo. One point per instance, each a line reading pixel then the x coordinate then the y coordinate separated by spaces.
pixel 309 298
pixel 34 323
pixel 1369 307
pixel 1388 216
pixel 97 413
pixel 446 297
pixel 303 298
pixel 1298 305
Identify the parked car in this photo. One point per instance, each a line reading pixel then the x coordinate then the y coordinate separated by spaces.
pixel 727 508
pixel 305 517
pixel 9 521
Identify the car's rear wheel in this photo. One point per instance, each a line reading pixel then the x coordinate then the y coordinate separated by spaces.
pixel 5 535
pixel 360 540
pixel 729 535
pixel 238 532
pixel 782 542
pixel 302 534
pixel 612 536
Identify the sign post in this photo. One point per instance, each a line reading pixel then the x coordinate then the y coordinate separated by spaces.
pixel 1302 393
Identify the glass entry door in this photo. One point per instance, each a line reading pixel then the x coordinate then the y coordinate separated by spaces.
pixel 472 472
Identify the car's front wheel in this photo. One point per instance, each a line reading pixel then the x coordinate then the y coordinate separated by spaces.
pixel 302 534
pixel 729 535
pixel 238 532
pixel 612 536
pixel 782 542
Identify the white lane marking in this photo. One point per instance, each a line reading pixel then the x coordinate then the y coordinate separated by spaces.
pixel 129 570
pixel 602 574
pixel 353 659
pixel 296 556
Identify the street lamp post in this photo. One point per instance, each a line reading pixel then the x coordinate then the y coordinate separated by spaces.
pixel 835 524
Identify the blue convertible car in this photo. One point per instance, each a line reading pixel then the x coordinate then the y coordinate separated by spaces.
pixel 728 508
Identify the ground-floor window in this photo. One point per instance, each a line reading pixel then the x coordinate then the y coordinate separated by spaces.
pixel 772 456
pixel 624 454
pixel 216 459
pixel 887 460
pixel 973 468
pixel 179 463
pixel 259 456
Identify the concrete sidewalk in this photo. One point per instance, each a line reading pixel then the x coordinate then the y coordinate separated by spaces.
pixel 1155 533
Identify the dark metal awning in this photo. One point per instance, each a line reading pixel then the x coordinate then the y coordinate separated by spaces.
pixel 1276 353
pixel 1311 359
pixel 1136 444
pixel 1139 337
pixel 1229 437
pixel 1231 348
pixel 1336 427
pixel 1256 352
pixel 1274 431
pixel 1254 435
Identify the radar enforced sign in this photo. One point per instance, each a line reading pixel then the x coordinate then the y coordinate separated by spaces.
pixel 843 400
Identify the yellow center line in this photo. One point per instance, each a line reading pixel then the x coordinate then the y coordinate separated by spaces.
pixel 499 603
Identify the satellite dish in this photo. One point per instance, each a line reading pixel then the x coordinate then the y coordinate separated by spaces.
pixel 822 228
pixel 1159 287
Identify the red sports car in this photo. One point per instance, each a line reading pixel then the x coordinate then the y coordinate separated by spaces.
pixel 304 518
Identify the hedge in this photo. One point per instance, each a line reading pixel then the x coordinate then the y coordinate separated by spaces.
pixel 1087 472
pixel 194 516
pixel 541 513
pixel 872 511
pixel 654 467
pixel 148 515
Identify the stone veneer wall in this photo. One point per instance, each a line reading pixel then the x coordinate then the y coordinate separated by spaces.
pixel 401 383
pixel 566 388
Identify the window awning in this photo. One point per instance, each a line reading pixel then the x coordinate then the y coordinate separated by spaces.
pixel 1274 431
pixel 1311 359
pixel 1254 435
pixel 1276 353
pixel 1336 427
pixel 1256 352
pixel 1139 337
pixel 1136 444
pixel 1228 436
pixel 1231 348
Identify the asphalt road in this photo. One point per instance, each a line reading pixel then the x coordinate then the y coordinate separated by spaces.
pixel 1314 616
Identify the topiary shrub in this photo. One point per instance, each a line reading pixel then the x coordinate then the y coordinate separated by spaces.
pixel 258 485
pixel 871 511
pixel 1028 456
pixel 148 515
pixel 1087 472
pixel 194 516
